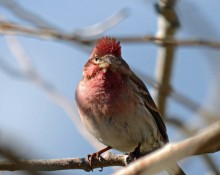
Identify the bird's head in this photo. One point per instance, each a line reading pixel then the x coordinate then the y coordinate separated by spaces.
pixel 105 57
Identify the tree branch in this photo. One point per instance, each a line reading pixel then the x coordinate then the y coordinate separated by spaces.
pixel 168 24
pixel 108 159
pixel 8 28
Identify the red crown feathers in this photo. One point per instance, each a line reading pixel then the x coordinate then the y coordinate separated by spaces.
pixel 107 45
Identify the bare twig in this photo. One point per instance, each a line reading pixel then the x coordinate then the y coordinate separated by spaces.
pixel 8 28
pixel 169 42
pixel 108 159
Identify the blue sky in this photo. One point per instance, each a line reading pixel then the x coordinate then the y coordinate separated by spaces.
pixel 38 128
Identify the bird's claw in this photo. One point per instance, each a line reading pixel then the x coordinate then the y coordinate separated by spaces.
pixel 134 155
pixel 97 155
pixel 91 158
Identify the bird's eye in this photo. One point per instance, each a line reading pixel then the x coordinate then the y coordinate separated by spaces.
pixel 96 59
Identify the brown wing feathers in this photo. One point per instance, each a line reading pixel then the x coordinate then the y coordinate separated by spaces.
pixel 151 106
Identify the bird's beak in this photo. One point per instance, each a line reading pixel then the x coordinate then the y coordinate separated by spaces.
pixel 106 63
pixel 109 62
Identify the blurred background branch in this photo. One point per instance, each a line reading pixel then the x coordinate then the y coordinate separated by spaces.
pixel 168 24
pixel 9 28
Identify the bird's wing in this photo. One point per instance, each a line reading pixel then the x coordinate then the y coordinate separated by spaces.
pixel 151 106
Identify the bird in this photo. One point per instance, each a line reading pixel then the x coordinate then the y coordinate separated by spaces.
pixel 116 107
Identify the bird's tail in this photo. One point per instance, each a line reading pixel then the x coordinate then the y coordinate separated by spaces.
pixel 175 170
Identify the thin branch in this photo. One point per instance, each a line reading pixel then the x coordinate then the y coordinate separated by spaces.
pixel 108 159
pixel 8 28
pixel 171 42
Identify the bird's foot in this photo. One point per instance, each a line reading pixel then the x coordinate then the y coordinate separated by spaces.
pixel 96 156
pixel 91 158
pixel 134 155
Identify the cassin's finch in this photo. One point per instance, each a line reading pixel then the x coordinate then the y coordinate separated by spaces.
pixel 116 107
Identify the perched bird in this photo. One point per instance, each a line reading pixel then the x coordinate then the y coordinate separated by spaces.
pixel 116 107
